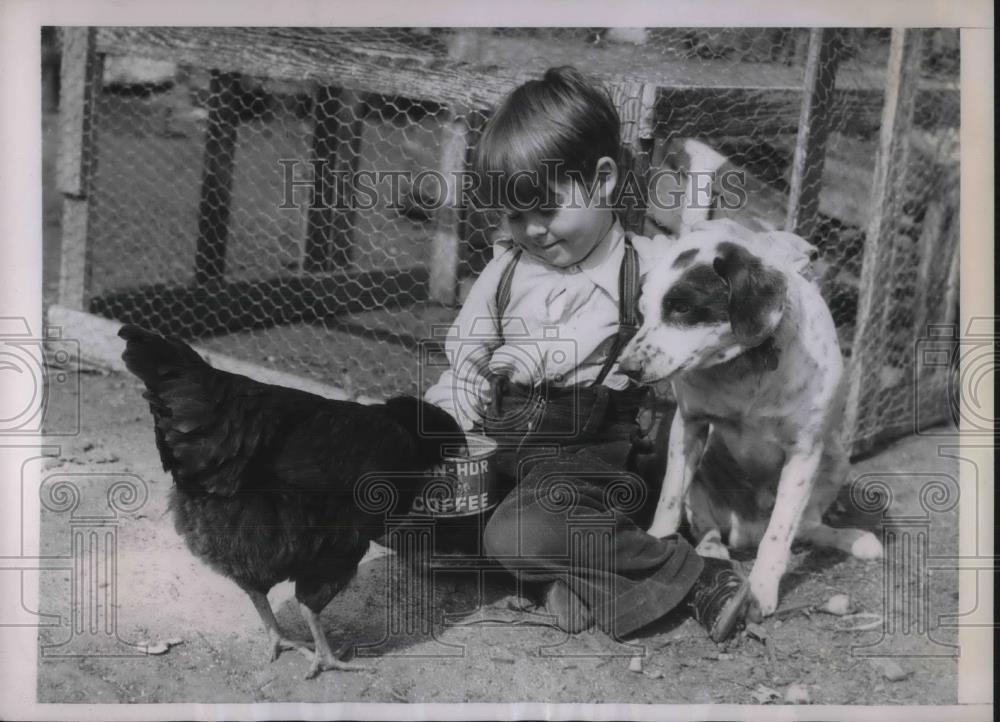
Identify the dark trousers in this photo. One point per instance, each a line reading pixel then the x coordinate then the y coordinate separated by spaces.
pixel 577 507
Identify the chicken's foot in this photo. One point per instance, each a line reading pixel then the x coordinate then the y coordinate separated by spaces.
pixel 279 642
pixel 324 658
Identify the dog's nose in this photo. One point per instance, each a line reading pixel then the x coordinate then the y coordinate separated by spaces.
pixel 630 366
pixel 634 374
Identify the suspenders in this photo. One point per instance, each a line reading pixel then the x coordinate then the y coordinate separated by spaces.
pixel 503 291
pixel 628 295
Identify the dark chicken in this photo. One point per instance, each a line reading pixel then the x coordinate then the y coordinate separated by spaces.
pixel 266 478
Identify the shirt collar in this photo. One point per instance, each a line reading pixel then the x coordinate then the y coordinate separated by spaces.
pixel 601 267
pixel 603 264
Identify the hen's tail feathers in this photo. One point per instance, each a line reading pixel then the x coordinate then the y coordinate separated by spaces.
pixel 153 358
pixel 436 433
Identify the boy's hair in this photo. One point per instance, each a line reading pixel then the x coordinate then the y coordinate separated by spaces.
pixel 545 130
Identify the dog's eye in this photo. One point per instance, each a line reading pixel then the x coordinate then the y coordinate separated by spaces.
pixel 672 305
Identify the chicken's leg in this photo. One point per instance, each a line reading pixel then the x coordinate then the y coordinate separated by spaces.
pixel 324 658
pixel 279 642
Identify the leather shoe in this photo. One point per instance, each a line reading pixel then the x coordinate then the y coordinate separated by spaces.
pixel 571 613
pixel 719 598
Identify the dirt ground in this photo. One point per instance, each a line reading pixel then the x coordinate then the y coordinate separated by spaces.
pixel 474 642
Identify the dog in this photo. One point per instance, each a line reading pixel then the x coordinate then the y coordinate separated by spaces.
pixel 732 319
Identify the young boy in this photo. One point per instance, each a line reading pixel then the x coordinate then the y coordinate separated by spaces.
pixel 533 364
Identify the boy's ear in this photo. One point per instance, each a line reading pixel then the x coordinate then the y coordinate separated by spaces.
pixel 605 176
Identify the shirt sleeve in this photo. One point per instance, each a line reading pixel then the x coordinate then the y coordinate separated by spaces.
pixel 463 389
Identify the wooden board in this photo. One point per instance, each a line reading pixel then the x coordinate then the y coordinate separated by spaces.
pixel 99 343
pixel 228 307
pixel 764 112
pixel 718 95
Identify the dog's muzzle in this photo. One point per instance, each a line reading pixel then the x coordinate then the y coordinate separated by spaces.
pixel 631 366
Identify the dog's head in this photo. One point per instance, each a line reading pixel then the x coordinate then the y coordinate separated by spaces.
pixel 719 293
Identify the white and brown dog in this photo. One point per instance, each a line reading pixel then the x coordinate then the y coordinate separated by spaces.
pixel 755 455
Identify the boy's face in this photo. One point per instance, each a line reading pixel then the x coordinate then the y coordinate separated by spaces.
pixel 564 232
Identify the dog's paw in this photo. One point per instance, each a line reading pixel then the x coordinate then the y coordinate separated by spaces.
pixel 664 527
pixel 866 546
pixel 661 531
pixel 764 589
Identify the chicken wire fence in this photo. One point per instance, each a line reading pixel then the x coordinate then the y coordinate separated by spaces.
pixel 281 195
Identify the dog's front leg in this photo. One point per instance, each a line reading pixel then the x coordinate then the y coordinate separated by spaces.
pixel 686 444
pixel 794 488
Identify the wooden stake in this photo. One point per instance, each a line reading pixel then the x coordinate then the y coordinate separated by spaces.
pixel 80 83
pixel 448 217
pixel 217 178
pixel 902 75
pixel 814 128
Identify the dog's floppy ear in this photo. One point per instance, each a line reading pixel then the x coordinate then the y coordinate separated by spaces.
pixel 756 292
pixel 791 249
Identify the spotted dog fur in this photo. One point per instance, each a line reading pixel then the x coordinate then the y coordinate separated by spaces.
pixel 755 455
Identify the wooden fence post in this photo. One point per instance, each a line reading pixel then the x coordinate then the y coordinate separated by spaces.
pixel 217 178
pixel 324 155
pixel 902 75
pixel 80 81
pixel 952 313
pixel 934 247
pixel 339 124
pixel 351 112
pixel 822 59
pixel 636 103
pixel 476 224
pixel 448 225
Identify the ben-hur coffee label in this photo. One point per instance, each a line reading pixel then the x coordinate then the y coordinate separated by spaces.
pixel 461 487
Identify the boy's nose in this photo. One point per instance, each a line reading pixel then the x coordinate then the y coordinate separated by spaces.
pixel 534 230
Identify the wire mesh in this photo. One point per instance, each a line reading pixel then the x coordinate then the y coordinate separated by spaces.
pixel 221 206
pixel 915 300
